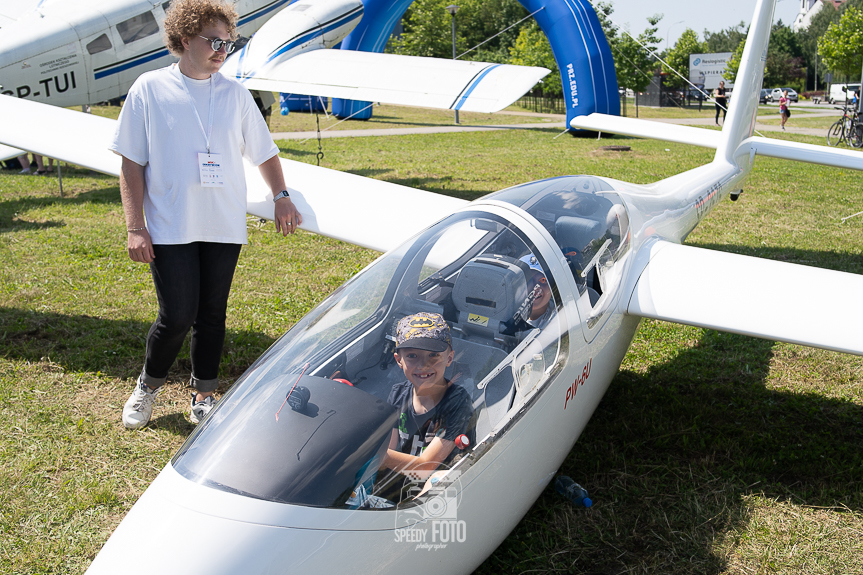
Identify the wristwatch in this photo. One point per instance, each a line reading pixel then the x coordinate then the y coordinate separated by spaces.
pixel 280 195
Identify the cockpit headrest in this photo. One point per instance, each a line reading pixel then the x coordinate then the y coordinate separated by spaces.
pixel 490 288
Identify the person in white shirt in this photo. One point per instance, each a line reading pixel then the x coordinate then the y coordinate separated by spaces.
pixel 183 133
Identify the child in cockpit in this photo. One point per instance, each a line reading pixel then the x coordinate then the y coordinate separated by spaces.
pixel 537 285
pixel 433 411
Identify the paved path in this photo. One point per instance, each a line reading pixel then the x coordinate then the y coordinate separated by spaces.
pixel 407 131
pixel 558 123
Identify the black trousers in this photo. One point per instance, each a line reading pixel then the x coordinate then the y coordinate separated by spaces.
pixel 192 283
pixel 721 108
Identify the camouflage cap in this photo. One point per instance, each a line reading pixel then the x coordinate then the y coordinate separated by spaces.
pixel 424 330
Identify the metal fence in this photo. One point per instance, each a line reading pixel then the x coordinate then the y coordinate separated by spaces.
pixel 536 101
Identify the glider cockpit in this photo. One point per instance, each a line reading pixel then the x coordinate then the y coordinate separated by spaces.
pixel 487 273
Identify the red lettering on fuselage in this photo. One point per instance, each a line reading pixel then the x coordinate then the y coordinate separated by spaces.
pixel 570 391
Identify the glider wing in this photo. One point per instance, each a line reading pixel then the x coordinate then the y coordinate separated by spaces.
pixel 751 296
pixel 756 145
pixel 75 137
pixel 362 211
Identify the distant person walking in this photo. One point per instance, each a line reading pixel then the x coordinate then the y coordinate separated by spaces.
pixel 721 101
pixel 183 133
pixel 784 112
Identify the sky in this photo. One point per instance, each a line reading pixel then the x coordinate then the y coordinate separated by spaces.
pixel 678 15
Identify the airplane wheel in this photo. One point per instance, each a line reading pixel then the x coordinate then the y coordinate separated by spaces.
pixel 834 134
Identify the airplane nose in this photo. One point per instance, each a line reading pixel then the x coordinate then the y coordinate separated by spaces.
pixel 158 536
pixel 163 535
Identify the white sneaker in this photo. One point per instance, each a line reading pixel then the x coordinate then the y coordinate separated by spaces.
pixel 139 407
pixel 200 409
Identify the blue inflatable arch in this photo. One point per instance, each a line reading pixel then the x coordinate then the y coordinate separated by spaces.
pixel 573 30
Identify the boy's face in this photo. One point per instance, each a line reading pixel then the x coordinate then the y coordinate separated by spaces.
pixel 540 303
pixel 424 369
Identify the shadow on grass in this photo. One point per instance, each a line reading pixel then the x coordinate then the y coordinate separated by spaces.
pixel 175 423
pixel 10 221
pixel 840 261
pixel 369 172
pixel 671 456
pixel 444 186
pixel 294 152
pixel 81 343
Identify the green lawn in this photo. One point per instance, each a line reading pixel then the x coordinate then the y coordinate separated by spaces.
pixel 802 121
pixel 711 452
pixel 384 116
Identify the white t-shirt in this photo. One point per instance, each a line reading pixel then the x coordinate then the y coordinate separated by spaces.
pixel 158 129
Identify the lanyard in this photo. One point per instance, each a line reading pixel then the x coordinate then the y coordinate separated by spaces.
pixel 195 110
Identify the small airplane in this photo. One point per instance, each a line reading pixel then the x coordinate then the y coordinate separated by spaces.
pixel 295 489
pixel 83 52
pixel 70 54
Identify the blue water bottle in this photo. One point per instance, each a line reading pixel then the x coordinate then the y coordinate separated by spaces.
pixel 572 491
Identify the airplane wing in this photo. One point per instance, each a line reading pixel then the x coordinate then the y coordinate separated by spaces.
pixel 769 147
pixel 395 79
pixel 78 138
pixel 355 209
pixel 648 129
pixel 7 153
pixel 751 296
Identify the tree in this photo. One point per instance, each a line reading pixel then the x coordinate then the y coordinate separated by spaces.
pixel 725 40
pixel 807 38
pixel 532 48
pixel 840 45
pixel 733 64
pixel 428 29
pixel 677 58
pixel 785 63
pixel 479 20
pixel 634 61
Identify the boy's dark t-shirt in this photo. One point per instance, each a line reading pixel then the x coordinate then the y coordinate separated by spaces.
pixel 447 420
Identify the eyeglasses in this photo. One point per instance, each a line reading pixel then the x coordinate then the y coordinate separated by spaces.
pixel 217 43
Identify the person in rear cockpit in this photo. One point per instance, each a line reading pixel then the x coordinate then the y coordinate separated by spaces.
pixel 537 284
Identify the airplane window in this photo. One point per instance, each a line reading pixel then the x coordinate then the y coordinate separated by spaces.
pixel 100 44
pixel 324 445
pixel 137 27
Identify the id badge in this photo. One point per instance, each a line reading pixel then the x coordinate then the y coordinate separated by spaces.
pixel 212 171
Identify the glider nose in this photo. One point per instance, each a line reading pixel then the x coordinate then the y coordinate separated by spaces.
pixel 225 534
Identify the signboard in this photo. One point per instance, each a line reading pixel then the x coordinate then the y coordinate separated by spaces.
pixel 707 69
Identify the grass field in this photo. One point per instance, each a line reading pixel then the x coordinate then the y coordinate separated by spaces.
pixel 383 117
pixel 711 453
pixel 801 120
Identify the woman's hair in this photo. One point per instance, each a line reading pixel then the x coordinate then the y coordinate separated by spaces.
pixel 186 18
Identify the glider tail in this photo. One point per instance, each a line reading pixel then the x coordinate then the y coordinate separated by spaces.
pixel 740 123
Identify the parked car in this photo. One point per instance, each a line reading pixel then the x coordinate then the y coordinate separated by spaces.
pixel 696 95
pixel 838 95
pixel 792 94
pixel 766 96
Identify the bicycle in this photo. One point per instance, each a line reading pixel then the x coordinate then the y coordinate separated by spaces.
pixel 848 128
